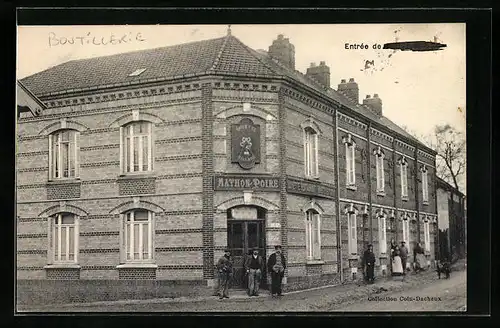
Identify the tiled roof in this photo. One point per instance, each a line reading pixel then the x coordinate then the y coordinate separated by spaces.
pixel 226 55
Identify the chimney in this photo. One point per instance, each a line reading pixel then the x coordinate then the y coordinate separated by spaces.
pixel 375 104
pixel 320 73
pixel 350 89
pixel 284 51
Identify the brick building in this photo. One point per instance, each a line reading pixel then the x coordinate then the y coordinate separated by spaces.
pixel 143 166
pixel 452 219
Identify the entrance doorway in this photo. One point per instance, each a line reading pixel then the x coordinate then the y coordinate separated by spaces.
pixel 245 231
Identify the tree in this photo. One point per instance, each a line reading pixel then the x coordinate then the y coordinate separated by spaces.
pixel 449 143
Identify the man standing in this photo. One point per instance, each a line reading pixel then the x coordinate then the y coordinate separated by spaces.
pixel 369 264
pixel 225 268
pixel 254 266
pixel 277 265
pixel 403 253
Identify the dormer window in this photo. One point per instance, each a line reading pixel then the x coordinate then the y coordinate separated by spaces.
pixel 137 72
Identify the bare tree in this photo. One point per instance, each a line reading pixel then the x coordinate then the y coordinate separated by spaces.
pixel 450 145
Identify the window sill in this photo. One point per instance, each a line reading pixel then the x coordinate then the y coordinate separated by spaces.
pixel 383 256
pixel 404 198
pixel 137 266
pixel 352 187
pixel 63 181
pixel 381 193
pixel 425 203
pixel 62 266
pixel 312 178
pixel 353 257
pixel 315 262
pixel 137 175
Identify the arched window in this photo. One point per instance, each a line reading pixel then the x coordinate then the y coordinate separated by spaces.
pixel 313 235
pixel 403 166
pixel 63 154
pixel 311 152
pixel 427 235
pixel 379 162
pixel 425 185
pixel 350 157
pixel 382 231
pixel 63 238
pixel 137 236
pixel 136 147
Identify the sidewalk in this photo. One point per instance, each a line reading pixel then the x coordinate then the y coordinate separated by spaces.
pixel 314 299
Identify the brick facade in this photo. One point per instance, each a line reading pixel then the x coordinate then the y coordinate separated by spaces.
pixel 191 144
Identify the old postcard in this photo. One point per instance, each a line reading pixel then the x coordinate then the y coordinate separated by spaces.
pixel 241 168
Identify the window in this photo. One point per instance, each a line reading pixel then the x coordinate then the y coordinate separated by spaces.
pixel 425 185
pixel 379 161
pixel 403 164
pixel 63 154
pixel 63 238
pixel 313 235
pixel 406 233
pixel 382 234
pixel 311 152
pixel 427 236
pixel 350 148
pixel 137 236
pixel 136 147
pixel 353 237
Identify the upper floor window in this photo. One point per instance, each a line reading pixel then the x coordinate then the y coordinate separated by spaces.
pixel 63 154
pixel 311 153
pixel 425 185
pixel 136 147
pixel 353 233
pixel 427 236
pixel 63 238
pixel 379 162
pixel 403 166
pixel 138 235
pixel 313 235
pixel 382 234
pixel 350 149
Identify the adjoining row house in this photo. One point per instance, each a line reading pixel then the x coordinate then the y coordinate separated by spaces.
pixel 146 165
pixel 452 219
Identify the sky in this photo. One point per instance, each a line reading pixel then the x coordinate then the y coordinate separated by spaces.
pixel 418 89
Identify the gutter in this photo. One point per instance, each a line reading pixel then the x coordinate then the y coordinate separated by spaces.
pixel 336 174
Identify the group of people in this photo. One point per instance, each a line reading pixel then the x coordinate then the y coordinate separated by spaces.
pixel 398 260
pixel 254 269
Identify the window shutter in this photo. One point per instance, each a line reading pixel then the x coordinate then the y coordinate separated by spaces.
pixel 122 159
pixel 77 237
pixel 51 165
pixel 123 246
pixel 150 146
pixel 152 236
pixel 315 154
pixel 77 155
pixel 50 235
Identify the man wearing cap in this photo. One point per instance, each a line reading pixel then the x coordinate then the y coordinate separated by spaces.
pixel 369 264
pixel 403 253
pixel 254 266
pixel 225 268
pixel 277 265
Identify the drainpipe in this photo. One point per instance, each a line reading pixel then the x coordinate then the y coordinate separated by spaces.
pixel 395 234
pixel 336 174
pixel 417 193
pixel 369 176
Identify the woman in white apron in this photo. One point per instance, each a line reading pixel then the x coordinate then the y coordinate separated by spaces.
pixel 397 266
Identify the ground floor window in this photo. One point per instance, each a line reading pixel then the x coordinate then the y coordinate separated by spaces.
pixel 63 238
pixel 352 230
pixel 382 234
pixel 313 235
pixel 138 232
